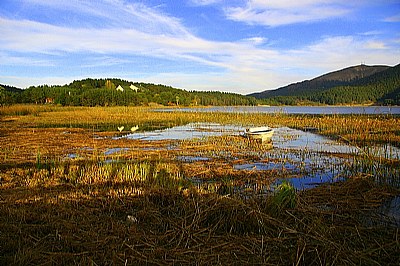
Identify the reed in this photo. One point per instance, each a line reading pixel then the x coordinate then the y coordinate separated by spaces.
pixel 92 223
pixel 363 129
pixel 24 110
pixel 284 197
pixel 141 206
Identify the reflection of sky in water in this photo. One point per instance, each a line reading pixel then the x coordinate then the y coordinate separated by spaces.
pixel 189 131
pixel 265 166
pixel 287 138
pixel 391 209
pixel 192 159
pixel 310 181
pixel 308 170
pixel 115 150
pixel 284 138
pixel 305 155
pixel 293 109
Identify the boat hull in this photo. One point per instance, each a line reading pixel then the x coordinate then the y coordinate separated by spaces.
pixel 263 134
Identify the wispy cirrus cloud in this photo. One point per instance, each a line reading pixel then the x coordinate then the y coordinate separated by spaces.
pixel 119 32
pixel 395 18
pixel 334 52
pixel 204 2
pixel 45 38
pixel 258 69
pixel 284 12
pixel 111 14
pixel 262 67
pixel 10 59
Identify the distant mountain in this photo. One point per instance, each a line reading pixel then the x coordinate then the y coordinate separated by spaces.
pixel 354 85
pixel 380 88
pixel 347 76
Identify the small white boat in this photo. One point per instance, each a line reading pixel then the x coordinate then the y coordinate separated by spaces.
pixel 260 133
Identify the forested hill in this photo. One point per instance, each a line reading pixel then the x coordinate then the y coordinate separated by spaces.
pixel 112 92
pixel 8 88
pixel 342 77
pixel 355 85
pixel 380 88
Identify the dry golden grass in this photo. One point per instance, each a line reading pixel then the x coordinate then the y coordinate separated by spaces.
pixel 361 129
pixel 140 208
pixel 91 224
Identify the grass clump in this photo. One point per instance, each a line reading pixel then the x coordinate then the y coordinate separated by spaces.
pixel 284 197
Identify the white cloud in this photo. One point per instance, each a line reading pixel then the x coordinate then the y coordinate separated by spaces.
pixel 204 2
pixel 375 45
pixel 371 33
pixel 332 53
pixel 129 30
pixel 243 66
pixel 104 61
pixel 237 82
pixel 255 40
pixel 284 12
pixel 44 38
pixel 258 69
pixel 25 82
pixel 113 14
pixel 7 59
pixel 395 18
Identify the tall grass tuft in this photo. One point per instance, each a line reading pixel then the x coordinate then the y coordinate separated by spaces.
pixel 284 197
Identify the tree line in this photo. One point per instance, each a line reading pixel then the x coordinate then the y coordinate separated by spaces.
pixel 116 92
pixel 381 88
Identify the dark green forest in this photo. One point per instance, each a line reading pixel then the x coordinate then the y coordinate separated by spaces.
pixel 382 88
pixel 106 92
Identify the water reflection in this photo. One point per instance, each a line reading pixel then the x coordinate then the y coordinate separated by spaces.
pixel 288 138
pixel 391 210
pixel 283 138
pixel 189 131
pixel 115 150
pixel 387 214
pixel 327 110
pixel 303 170
pixel 306 158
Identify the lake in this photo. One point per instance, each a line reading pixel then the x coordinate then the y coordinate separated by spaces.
pixel 369 110
pixel 310 158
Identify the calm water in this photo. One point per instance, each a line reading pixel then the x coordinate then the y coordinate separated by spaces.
pixel 306 160
pixel 393 110
pixel 307 156
pixel 189 131
pixel 283 138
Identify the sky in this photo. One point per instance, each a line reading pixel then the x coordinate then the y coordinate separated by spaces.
pixel 240 46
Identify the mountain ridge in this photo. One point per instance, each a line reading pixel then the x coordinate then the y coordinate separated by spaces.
pixel 353 85
pixel 359 84
pixel 342 77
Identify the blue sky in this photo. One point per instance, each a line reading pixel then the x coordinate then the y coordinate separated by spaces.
pixel 240 46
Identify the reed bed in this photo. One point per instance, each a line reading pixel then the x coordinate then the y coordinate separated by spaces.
pixel 360 129
pixel 72 194
pixel 92 223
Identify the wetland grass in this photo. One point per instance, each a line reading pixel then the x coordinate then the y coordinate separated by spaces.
pixel 117 223
pixel 361 129
pixel 139 206
pixel 284 197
